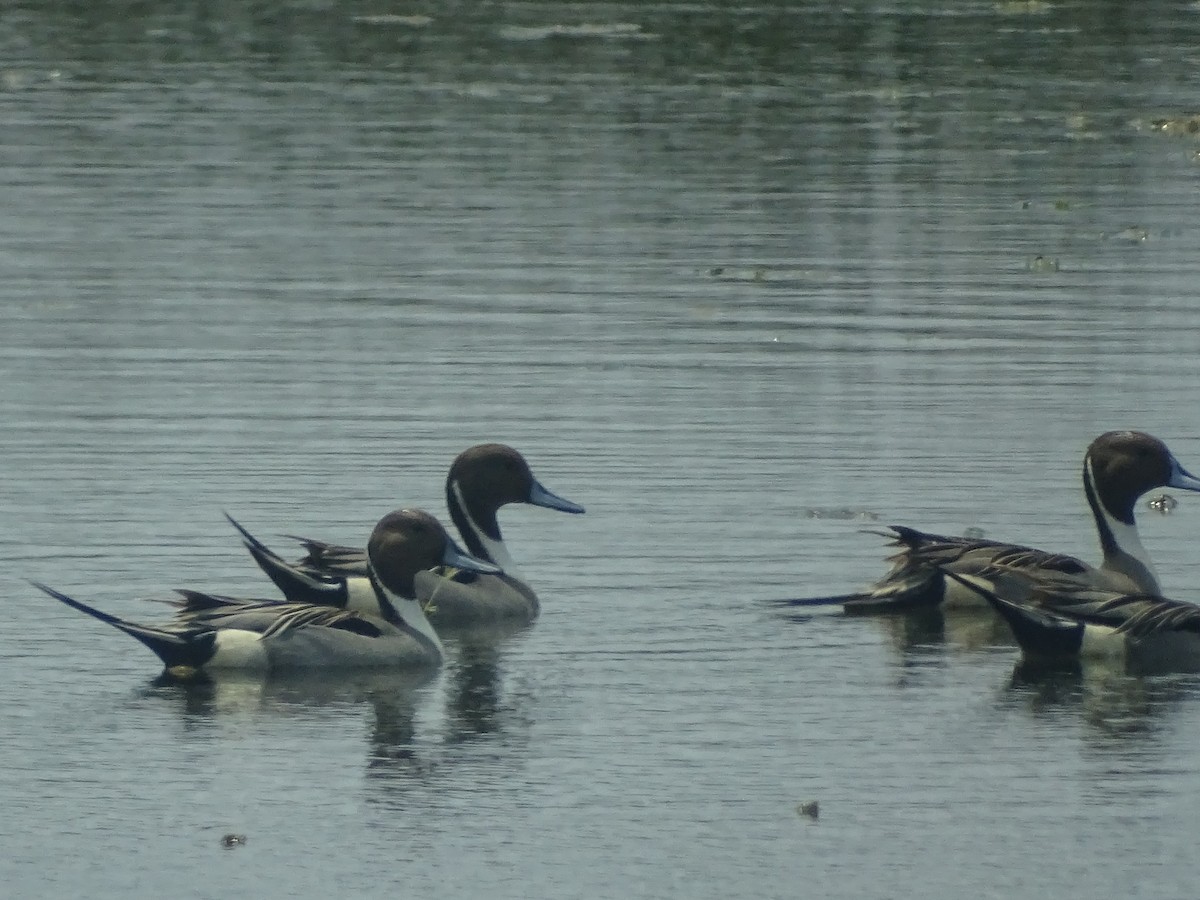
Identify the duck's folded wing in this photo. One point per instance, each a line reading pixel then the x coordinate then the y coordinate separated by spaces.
pixel 302 615
pixel 1144 615
pixel 921 548
pixel 1138 615
pixel 1027 559
pixel 271 618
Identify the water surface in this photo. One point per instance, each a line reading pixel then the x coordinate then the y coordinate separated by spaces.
pixel 743 281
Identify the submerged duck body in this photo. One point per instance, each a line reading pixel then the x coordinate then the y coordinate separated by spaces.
pixel 1118 468
pixel 481 480
pixel 216 633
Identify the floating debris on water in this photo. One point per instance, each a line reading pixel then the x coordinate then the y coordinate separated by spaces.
pixel 810 808
pixel 233 840
pixel 1163 503
pixel 1134 234
pixel 974 533
pixel 1042 264
pixel 739 273
pixel 1177 126
pixel 1061 204
pixel 841 512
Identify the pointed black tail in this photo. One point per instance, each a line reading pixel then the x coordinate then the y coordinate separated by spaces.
pixel 925 592
pixel 815 601
pixel 1039 632
pixel 295 584
pixel 190 648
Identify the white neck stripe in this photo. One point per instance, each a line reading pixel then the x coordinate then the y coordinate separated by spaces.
pixel 495 551
pixel 413 618
pixel 1125 537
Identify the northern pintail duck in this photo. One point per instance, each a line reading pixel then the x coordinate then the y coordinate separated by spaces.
pixel 1118 468
pixel 482 479
pixel 270 636
pixel 1059 620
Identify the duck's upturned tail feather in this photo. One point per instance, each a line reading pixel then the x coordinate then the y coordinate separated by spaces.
pixel 187 649
pixel 296 585
pixel 1039 632
pixel 814 601
pixel 916 593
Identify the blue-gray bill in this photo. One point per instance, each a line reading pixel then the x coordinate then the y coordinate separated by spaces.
pixel 539 495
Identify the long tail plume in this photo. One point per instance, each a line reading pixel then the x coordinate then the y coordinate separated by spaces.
pixel 190 648
pixel 296 585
